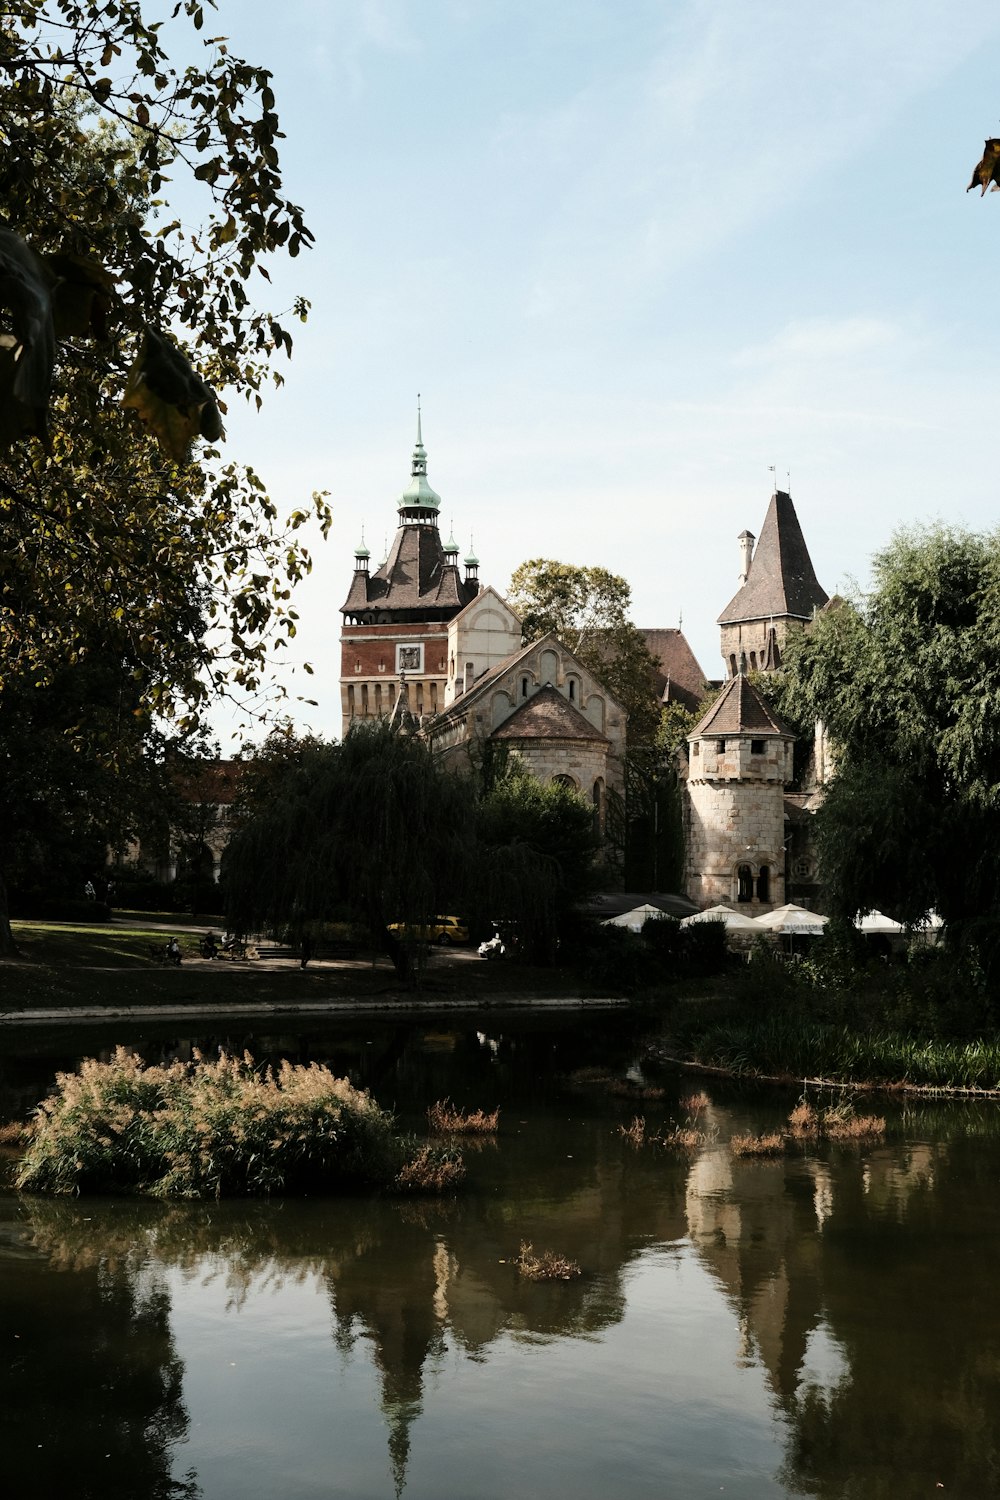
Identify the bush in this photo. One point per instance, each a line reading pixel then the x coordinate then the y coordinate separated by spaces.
pixel 207 1129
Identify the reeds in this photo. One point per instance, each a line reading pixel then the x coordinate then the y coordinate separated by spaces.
pixel 207 1129
pixel 444 1119
pixel 635 1133
pixel 770 1143
pixel 431 1170
pixel 680 1138
pixel 547 1265
pixel 695 1104
pixel 836 1122
pixel 780 1046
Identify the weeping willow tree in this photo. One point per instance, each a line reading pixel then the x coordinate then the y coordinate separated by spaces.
pixel 370 826
pixel 376 828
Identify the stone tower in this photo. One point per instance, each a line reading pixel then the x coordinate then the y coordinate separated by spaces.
pixel 739 763
pixel 778 591
pixel 396 619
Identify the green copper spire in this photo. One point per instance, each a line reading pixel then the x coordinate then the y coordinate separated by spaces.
pixel 419 502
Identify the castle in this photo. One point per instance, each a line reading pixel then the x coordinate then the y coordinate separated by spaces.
pixel 444 656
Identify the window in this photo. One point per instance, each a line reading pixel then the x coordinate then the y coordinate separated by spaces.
pixel 744 883
pixel 696 748
pixel 753 661
pixel 524 687
pixel 756 747
pixel 764 883
pixel 364 697
pixel 378 697
pixel 732 664
pixel 572 689
pixel 434 697
pixel 720 747
pixel 410 658
pixel 470 673
pixel 564 780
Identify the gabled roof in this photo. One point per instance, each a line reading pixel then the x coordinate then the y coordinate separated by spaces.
pixel 483 685
pixel 739 709
pixel 414 576
pixel 483 594
pixel 678 670
pixel 781 581
pixel 547 715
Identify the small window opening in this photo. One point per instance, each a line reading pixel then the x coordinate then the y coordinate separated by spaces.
pixel 764 883
pixel 744 883
pixel 756 747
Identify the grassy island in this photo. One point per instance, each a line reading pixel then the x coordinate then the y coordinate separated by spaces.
pixel 209 1129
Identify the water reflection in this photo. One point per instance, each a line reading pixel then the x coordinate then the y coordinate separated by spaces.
pixel 858 1280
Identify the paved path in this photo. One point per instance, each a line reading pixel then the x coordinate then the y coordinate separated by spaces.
pixel 345 1006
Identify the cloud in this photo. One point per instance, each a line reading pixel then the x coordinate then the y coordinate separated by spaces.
pixel 823 338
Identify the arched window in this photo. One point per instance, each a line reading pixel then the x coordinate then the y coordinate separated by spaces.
pixel 571 683
pixel 564 780
pixel 732 664
pixel 753 661
pixel 744 883
pixel 524 687
pixel 764 883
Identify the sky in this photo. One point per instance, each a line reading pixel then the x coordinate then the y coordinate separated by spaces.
pixel 631 255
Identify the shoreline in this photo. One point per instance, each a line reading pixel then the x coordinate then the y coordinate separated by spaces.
pixel 347 1006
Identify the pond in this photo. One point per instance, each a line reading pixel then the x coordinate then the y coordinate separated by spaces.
pixel 822 1324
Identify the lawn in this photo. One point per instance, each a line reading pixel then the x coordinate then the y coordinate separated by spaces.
pixel 93 965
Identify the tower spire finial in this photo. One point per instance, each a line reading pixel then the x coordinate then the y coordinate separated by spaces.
pixel 420 439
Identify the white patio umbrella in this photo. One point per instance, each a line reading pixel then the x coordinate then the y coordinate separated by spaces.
pixel 877 921
pixel 793 921
pixel 635 919
pixel 735 920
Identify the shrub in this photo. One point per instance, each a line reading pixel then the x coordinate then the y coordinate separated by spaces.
pixel 205 1129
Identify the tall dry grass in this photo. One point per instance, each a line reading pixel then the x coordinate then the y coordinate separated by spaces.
pixel 208 1129
pixel 443 1118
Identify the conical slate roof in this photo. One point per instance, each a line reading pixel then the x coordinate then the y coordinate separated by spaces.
pixel 781 582
pixel 739 709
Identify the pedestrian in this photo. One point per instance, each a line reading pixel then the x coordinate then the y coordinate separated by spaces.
pixel 307 950
pixel 174 951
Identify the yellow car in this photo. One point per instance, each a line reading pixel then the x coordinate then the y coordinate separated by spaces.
pixel 442 930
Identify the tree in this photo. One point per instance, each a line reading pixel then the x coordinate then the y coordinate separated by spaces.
pixel 371 826
pixel 172 578
pixel 538 846
pixel 907 680
pixel 588 608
